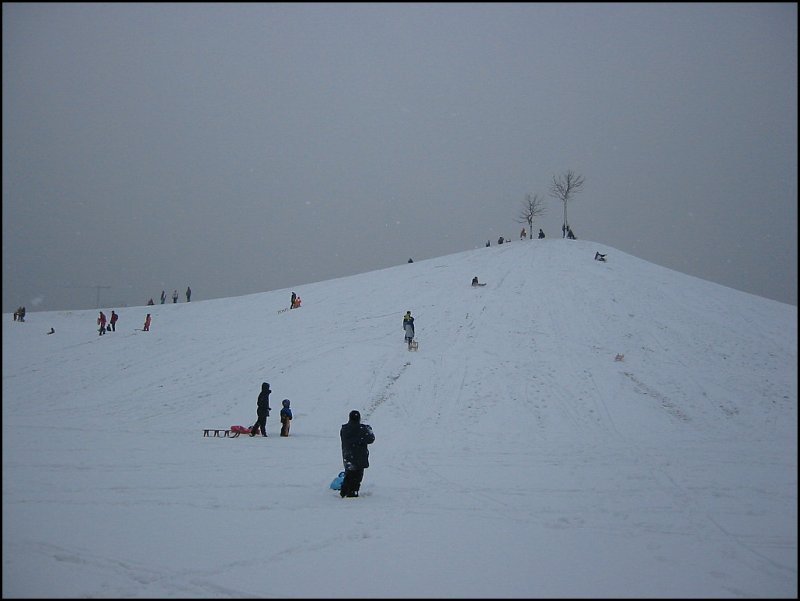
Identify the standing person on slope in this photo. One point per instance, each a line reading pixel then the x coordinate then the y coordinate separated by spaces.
pixel 408 327
pixel 286 417
pixel 262 412
pixel 355 454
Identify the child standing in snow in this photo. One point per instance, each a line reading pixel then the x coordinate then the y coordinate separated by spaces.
pixel 286 417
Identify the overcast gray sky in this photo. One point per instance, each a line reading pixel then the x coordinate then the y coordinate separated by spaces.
pixel 239 148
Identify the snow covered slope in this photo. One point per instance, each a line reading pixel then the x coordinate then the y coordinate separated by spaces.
pixel 515 456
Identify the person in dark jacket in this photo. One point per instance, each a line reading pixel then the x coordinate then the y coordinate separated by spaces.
pixel 355 454
pixel 113 321
pixel 263 411
pixel 541 234
pixel 286 417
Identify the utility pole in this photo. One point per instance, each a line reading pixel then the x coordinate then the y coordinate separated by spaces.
pixel 98 293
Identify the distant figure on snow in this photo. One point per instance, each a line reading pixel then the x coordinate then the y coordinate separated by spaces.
pixel 408 327
pixel 286 417
pixel 599 257
pixel 52 331
pixel 113 321
pixel 294 298
pixel 500 240
pixel 523 234
pixel 296 302
pixel 150 302
pixel 146 327
pixel 410 260
pixel 488 243
pixel 101 321
pixel 188 294
pixel 262 411
pixel 174 296
pixel 570 235
pixel 355 454
pixel 475 282
pixel 163 297
pixel 541 234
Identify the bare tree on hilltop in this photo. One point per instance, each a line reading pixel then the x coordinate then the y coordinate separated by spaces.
pixel 563 188
pixel 532 207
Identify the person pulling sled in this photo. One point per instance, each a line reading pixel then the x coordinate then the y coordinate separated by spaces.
pixel 262 411
pixel 408 327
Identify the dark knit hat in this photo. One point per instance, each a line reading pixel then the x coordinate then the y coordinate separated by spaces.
pixel 355 416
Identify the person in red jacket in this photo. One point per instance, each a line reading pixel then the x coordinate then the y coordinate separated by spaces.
pixel 101 321
pixel 147 323
pixel 113 321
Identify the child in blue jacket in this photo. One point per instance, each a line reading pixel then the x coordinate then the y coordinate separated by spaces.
pixel 286 417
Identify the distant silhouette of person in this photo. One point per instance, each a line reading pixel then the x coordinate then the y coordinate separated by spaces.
pixel 163 297
pixel 294 298
pixel 174 296
pixel 475 282
pixel 500 240
pixel 410 260
pixel 101 321
pixel 523 234
pixel 150 302
pixel 570 235
pixel 52 331
pixel 113 321
pixel 599 257
pixel 541 234
pixel 147 323
pixel 488 244
pixel 188 294
pixel 296 302
pixel 563 230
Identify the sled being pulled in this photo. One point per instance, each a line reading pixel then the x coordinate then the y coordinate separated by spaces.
pixel 232 432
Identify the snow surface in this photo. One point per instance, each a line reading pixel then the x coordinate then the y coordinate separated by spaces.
pixel 514 456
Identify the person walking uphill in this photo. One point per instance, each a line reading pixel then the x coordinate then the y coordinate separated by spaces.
pixel 262 412
pixel 408 327
pixel 355 454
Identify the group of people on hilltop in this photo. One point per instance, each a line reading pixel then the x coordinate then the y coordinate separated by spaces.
pixel 523 235
pixel 188 294
pixel 19 314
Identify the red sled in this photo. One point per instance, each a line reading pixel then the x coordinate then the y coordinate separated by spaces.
pixel 240 430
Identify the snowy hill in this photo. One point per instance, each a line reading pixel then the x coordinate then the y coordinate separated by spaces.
pixel 515 456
